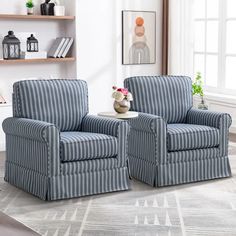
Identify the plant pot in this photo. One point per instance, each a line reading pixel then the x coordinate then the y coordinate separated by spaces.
pixel 59 10
pixel 121 107
pixel 30 11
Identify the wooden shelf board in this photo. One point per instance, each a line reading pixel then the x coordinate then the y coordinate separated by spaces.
pixel 47 60
pixel 36 17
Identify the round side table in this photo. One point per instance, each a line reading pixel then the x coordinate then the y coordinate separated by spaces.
pixel 125 116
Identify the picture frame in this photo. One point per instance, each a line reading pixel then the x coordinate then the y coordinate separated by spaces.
pixel 138 37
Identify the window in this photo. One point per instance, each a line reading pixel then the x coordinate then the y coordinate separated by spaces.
pixel 215 44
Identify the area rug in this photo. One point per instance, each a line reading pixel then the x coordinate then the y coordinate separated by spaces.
pixel 204 208
pixel 10 227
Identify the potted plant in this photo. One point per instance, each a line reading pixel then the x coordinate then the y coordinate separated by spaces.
pixel 122 99
pixel 197 89
pixel 30 7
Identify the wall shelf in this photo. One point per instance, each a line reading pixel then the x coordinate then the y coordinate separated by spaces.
pixel 46 60
pixel 35 17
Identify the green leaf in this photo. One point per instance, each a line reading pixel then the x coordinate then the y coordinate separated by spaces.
pixel 197 86
pixel 29 4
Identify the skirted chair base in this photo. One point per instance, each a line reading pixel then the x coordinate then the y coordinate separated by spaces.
pixel 55 149
pixel 67 186
pixel 170 142
pixel 180 172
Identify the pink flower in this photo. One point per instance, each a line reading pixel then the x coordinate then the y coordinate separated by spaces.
pixel 114 87
pixel 123 90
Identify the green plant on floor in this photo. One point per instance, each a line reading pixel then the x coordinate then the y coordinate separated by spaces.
pixel 29 4
pixel 197 86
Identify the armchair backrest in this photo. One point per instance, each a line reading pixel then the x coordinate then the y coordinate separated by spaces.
pixel 167 96
pixel 60 102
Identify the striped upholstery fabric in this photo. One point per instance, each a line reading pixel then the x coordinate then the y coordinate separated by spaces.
pixel 179 172
pixel 57 150
pixel 170 142
pixel 77 167
pixel 76 146
pixel 147 138
pixel 208 118
pixel 222 121
pixel 188 136
pixel 88 183
pixel 101 125
pixel 32 144
pixel 167 96
pixel 60 102
pixel 192 171
pixel 193 155
pixel 117 128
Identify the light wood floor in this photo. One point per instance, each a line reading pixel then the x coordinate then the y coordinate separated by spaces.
pixel 232 138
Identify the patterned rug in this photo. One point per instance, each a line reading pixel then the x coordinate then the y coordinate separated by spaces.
pixel 204 208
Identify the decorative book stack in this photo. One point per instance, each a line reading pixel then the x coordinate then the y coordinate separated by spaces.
pixel 61 47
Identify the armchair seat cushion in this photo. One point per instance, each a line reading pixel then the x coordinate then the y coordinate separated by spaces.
pixel 79 146
pixel 189 136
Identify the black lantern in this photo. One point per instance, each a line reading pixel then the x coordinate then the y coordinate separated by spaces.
pixel 11 47
pixel 32 44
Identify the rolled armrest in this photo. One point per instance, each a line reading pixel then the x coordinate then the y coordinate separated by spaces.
pixel 221 121
pixel 113 127
pixel 32 129
pixel 96 124
pixel 33 144
pixel 208 118
pixel 147 139
pixel 146 122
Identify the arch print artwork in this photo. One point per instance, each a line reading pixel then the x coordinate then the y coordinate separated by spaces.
pixel 138 37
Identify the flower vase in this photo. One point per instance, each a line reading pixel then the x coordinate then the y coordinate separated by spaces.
pixel 121 107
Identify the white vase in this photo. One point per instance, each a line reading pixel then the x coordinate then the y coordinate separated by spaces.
pixel 30 11
pixel 59 10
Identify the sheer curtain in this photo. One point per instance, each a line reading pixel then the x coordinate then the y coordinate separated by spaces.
pixel 180 37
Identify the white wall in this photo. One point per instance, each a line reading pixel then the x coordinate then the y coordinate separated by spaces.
pixel 99 52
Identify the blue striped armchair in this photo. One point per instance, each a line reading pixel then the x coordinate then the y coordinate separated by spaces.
pixel 171 142
pixel 55 150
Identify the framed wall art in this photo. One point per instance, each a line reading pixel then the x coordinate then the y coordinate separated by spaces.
pixel 138 37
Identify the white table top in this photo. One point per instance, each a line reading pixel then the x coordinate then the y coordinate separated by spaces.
pixel 127 115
